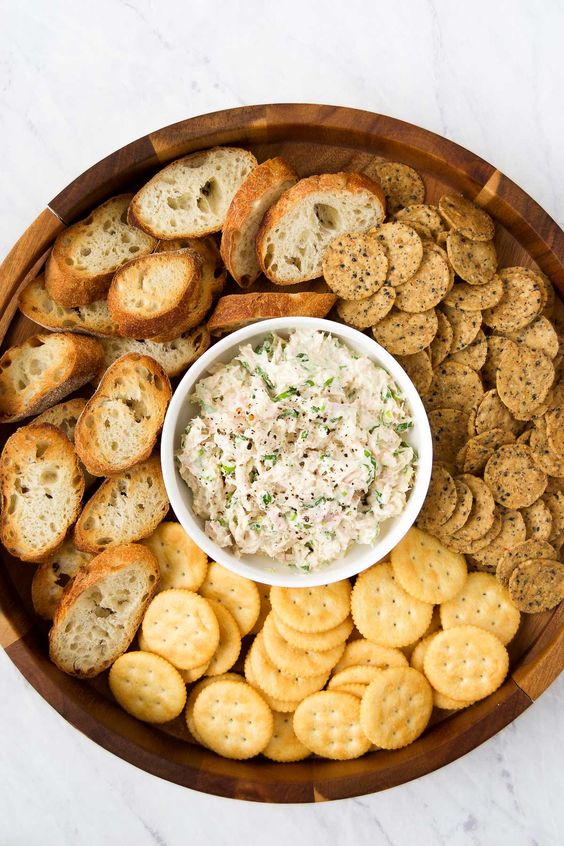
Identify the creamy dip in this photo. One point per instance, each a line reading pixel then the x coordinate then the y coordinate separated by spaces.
pixel 298 450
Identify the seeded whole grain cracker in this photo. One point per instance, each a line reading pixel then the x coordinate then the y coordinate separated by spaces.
pixel 426 569
pixel 403 247
pixel 442 342
pixel 461 513
pixel 180 626
pixel 524 378
pixel 361 674
pixel 294 661
pixel 475 297
pixel 555 430
pixel 474 355
pixel 182 564
pixel 401 184
pixel 403 333
pixel 512 476
pixel 538 335
pixel 315 641
pixel 365 652
pixel 466 217
pixel 239 595
pixel 384 612
pixel 365 313
pixel 418 663
pixel 282 706
pixel 449 432
pixel 537 586
pixel 496 347
pixel 474 261
pixel 466 662
pixel 284 747
pixel 554 485
pixel 276 683
pixel 429 284
pixel 549 295
pixel 538 520
pixel 555 504
pixel 233 719
pixel 454 386
pixel 483 508
pixel 547 460
pixel 529 550
pixel 480 449
pixel 485 603
pixel 420 214
pixel 440 501
pixel 470 547
pixel 419 369
pixel 312 609
pixel 491 413
pixel 396 707
pixel 465 326
pixel 355 265
pixel 513 532
pixel 229 645
pixel 328 724
pixel 522 301
pixel 147 686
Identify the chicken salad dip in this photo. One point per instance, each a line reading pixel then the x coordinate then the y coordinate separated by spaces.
pixel 299 450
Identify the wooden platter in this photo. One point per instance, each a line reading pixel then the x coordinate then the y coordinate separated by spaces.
pixel 314 139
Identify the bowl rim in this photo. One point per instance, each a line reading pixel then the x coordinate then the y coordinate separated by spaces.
pixel 176 486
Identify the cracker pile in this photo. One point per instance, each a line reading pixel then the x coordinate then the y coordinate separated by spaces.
pixel 335 671
pixel 483 347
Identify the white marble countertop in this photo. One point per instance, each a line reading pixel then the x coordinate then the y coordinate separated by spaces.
pixel 78 81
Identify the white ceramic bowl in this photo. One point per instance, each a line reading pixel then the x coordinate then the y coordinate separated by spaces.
pixel 262 568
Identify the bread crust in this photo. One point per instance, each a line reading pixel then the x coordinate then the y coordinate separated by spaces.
pixel 19 447
pixel 81 359
pixel 236 310
pixel 133 214
pixel 110 561
pixel 353 183
pixel 85 440
pixel 271 174
pixel 74 289
pixel 213 270
pixel 134 325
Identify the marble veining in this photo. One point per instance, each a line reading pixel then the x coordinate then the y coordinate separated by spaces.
pixel 77 81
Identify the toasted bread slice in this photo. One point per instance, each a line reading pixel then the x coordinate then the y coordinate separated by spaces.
pixel 92 319
pixel 198 310
pixel 175 357
pixel 43 370
pixel 297 229
pixel 65 416
pixel 214 273
pixel 125 508
pixel 238 310
pixel 154 293
pixel 189 198
pixel 52 576
pixel 120 423
pixel 86 255
pixel 41 489
pixel 262 187
pixel 101 610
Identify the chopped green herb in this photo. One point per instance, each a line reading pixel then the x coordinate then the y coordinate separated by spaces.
pixel 402 427
pixel 336 419
pixel 328 381
pixel 309 545
pixel 256 527
pixel 303 356
pixel 304 435
pixel 271 457
pixel 317 408
pixel 266 498
pixel 289 412
pixel 200 453
pixel 228 469
pixel 285 394
pixel 310 383
pixel 253 475
pixel 319 501
pixel 222 522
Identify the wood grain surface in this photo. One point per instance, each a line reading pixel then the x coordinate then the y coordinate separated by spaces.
pixel 314 139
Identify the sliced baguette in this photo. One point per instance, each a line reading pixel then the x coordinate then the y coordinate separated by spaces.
pixel 92 319
pixel 86 255
pixel 125 508
pixel 43 370
pixel 238 310
pixel 190 197
pixel 262 187
pixel 214 273
pixel 65 417
pixel 154 293
pixel 297 229
pixel 175 357
pixel 52 576
pixel 120 423
pixel 41 488
pixel 101 610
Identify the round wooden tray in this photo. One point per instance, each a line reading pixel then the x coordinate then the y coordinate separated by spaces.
pixel 315 139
